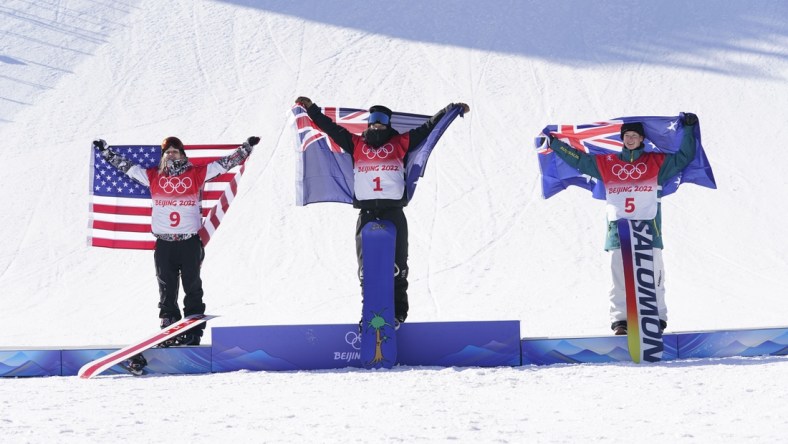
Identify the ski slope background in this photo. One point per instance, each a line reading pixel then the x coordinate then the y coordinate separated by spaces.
pixel 484 245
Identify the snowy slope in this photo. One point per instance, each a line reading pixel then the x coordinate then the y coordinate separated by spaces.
pixel 483 244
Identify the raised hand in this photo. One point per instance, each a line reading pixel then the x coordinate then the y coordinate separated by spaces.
pixel 254 140
pixel 465 107
pixel 304 101
pixel 690 119
pixel 100 144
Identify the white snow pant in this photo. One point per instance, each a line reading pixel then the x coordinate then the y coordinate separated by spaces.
pixel 618 304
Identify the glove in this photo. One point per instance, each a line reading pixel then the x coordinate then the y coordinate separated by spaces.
pixel 690 119
pixel 100 144
pixel 304 101
pixel 254 140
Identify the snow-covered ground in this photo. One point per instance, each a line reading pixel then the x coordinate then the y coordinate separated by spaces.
pixel 483 244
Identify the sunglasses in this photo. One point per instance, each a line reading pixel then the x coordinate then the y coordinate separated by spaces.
pixel 378 117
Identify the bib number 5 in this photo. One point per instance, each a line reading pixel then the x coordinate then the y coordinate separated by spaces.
pixel 629 204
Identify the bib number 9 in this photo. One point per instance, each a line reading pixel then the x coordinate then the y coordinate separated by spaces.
pixel 175 218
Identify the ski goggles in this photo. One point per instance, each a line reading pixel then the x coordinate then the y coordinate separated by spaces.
pixel 378 117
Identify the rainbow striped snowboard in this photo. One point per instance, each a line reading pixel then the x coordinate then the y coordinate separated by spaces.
pixel 644 335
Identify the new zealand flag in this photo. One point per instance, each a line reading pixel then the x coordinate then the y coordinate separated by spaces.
pixel 325 172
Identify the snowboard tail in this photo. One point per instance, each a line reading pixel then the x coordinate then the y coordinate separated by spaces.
pixel 97 366
pixel 644 335
pixel 378 337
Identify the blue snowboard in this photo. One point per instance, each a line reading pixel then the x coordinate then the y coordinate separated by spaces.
pixel 378 339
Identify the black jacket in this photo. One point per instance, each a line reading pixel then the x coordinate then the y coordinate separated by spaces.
pixel 344 139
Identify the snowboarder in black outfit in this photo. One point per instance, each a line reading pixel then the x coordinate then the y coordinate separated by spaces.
pixel 379 179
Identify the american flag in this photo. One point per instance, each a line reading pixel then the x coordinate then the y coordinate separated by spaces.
pixel 120 208
pixel 663 134
pixel 325 172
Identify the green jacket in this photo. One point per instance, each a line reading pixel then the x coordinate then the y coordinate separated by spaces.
pixel 673 164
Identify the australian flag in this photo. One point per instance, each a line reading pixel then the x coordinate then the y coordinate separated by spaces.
pixel 663 135
pixel 325 172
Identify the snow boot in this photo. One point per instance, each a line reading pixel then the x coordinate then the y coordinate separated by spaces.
pixel 164 323
pixel 398 321
pixel 191 337
pixel 136 364
pixel 619 328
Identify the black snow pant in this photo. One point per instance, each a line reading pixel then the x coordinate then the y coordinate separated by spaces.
pixel 174 260
pixel 397 216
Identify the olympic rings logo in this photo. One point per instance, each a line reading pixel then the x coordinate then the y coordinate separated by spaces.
pixel 381 152
pixel 354 339
pixel 629 171
pixel 175 184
